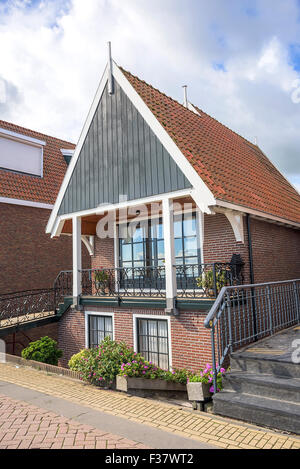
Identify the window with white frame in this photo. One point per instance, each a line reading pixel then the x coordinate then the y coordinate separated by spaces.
pixel 99 327
pixel 153 341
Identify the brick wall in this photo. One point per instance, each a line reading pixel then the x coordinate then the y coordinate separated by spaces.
pixel 71 334
pixel 220 244
pixel 104 254
pixel 276 252
pixel 29 258
pixel 16 343
pixel 190 340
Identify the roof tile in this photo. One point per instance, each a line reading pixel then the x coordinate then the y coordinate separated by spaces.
pixel 234 169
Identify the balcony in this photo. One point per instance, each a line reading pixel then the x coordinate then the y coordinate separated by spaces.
pixel 193 282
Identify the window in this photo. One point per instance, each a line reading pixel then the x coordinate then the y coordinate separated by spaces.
pixel 153 341
pixel 187 250
pixel 20 153
pixel 99 328
pixel 142 245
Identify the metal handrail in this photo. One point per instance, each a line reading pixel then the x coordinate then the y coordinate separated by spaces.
pixel 243 314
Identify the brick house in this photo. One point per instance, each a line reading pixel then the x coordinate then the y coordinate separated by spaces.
pixel 170 202
pixel 32 167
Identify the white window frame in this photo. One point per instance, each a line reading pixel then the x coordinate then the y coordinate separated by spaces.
pixel 135 317
pixel 96 313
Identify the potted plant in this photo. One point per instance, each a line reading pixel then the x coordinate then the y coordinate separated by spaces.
pixel 207 281
pixel 200 386
pixel 101 281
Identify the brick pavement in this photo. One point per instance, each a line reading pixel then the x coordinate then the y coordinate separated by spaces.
pixel 198 426
pixel 25 426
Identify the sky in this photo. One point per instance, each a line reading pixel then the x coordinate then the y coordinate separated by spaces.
pixel 239 58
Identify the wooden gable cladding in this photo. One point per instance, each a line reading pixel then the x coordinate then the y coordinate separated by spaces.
pixel 121 158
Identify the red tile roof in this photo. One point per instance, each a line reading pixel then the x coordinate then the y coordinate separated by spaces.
pixel 35 189
pixel 234 169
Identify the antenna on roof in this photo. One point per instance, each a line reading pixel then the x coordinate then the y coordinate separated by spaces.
pixel 110 75
pixel 255 141
pixel 185 100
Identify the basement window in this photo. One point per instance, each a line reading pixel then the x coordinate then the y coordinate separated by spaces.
pixel 99 328
pixel 153 341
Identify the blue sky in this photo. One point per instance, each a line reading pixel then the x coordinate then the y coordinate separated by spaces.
pixel 239 58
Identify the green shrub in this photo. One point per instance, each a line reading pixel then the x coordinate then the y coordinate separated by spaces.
pixel 101 365
pixel 44 350
pixel 75 360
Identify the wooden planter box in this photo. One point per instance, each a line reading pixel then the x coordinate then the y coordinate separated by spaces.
pixel 198 391
pixel 124 383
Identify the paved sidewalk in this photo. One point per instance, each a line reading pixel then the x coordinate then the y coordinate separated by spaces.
pixel 25 426
pixel 197 427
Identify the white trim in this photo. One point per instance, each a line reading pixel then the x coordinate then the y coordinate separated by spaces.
pixel 76 154
pixel 236 220
pixel 25 203
pixel 86 322
pixel 257 213
pixel 200 233
pixel 152 316
pixel 67 151
pixel 111 207
pixel 88 241
pixel 193 109
pixel 21 137
pixel 170 270
pixel 77 257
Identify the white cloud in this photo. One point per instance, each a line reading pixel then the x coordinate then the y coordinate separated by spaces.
pixel 54 54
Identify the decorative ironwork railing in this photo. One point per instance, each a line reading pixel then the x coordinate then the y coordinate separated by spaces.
pixel 193 281
pixel 206 280
pixel 124 282
pixel 19 307
pixel 246 313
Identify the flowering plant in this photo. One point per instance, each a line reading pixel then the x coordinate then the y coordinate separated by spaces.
pixel 101 365
pixel 206 376
pixel 141 368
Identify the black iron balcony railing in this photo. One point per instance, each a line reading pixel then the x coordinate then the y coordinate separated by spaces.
pixel 26 306
pixel 193 281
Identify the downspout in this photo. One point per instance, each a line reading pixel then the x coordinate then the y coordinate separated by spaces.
pixel 250 253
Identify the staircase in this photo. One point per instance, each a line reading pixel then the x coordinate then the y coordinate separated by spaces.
pixel 261 390
pixel 256 328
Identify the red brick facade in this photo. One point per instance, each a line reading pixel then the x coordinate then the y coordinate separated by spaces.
pixel 190 345
pixel 276 256
pixel 29 258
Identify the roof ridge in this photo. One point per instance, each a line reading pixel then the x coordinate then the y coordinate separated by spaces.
pixel 12 124
pixel 187 109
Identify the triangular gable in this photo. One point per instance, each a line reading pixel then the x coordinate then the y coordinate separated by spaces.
pixel 186 176
pixel 121 158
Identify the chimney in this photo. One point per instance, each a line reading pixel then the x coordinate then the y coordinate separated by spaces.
pixel 185 100
pixel 110 75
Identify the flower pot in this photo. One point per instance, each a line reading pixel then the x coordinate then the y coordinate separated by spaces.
pixel 125 383
pixel 198 391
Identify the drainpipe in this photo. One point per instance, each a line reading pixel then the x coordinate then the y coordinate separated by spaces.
pixel 250 252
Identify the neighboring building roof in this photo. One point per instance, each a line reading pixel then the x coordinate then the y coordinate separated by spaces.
pixel 44 189
pixel 235 170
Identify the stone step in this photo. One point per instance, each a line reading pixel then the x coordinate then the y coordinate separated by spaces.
pixel 243 362
pixel 258 410
pixel 263 385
